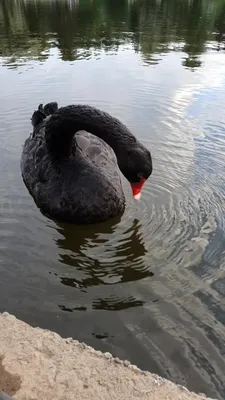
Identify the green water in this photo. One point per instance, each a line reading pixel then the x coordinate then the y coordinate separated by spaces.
pixel 148 286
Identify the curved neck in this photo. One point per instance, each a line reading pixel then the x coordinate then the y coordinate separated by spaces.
pixel 65 122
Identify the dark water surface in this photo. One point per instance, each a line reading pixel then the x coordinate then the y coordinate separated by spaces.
pixel 148 287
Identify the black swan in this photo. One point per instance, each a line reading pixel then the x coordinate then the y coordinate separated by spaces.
pixel 76 178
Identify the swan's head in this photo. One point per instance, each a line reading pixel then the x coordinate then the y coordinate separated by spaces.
pixel 136 166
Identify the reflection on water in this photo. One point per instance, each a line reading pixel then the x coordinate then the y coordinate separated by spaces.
pixel 30 29
pixel 148 286
pixel 122 260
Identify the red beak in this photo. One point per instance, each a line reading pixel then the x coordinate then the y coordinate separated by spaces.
pixel 136 188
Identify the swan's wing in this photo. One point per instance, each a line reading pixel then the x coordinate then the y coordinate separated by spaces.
pixel 98 151
pixel 101 155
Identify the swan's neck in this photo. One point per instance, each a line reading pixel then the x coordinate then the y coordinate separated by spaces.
pixel 63 124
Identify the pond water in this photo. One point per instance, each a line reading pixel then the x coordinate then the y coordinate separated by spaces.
pixel 148 286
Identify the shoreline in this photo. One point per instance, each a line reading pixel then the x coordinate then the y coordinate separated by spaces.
pixel 39 364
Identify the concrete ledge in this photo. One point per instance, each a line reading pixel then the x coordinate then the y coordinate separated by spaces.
pixel 38 364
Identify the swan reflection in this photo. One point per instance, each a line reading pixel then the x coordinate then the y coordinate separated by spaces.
pixel 104 254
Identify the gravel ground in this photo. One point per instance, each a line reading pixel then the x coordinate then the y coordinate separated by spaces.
pixel 38 364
